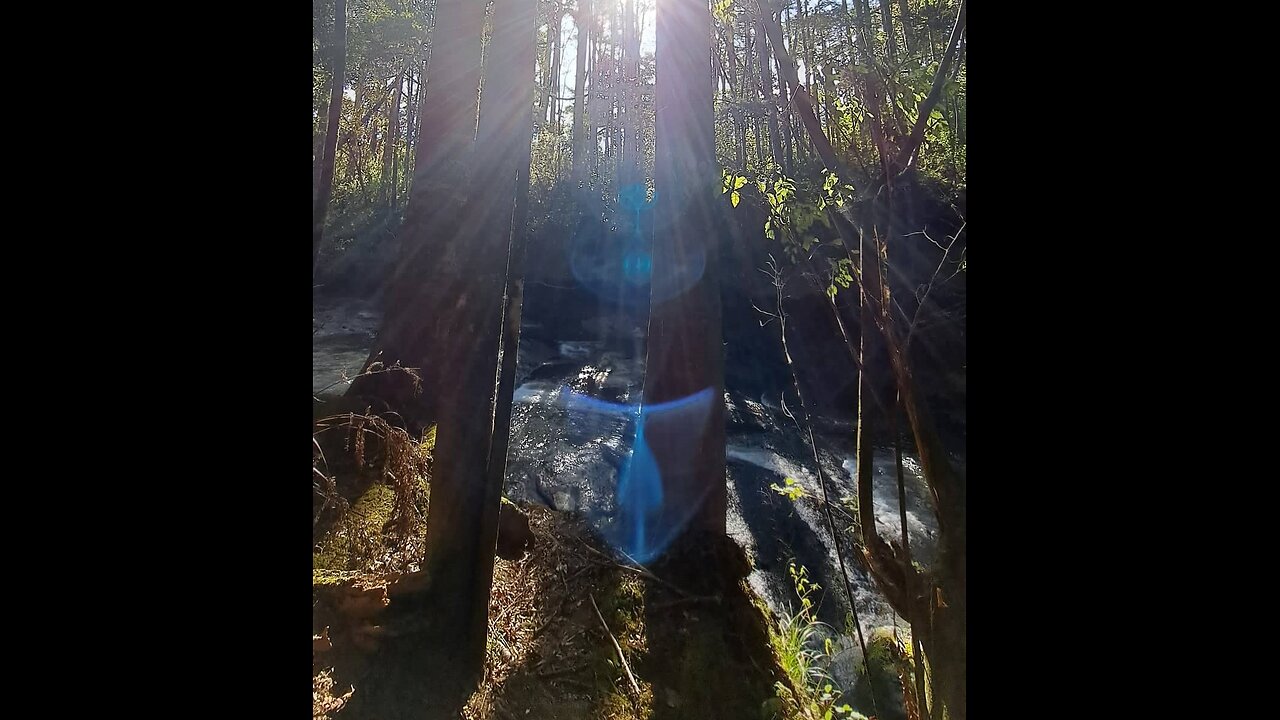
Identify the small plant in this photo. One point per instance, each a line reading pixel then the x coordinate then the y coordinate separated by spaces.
pixel 850 504
pixel 790 489
pixel 810 695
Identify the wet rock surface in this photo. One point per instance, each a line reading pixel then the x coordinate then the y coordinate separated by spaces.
pixel 571 462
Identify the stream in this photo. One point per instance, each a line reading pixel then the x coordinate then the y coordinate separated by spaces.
pixel 571 461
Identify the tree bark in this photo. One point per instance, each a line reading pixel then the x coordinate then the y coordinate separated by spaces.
pixel 685 352
pixel 317 154
pixel 411 329
pixel 800 99
pixel 411 130
pixel 905 18
pixel 766 83
pixel 553 89
pixel 886 20
pixel 477 289
pixel 583 19
pixel 325 190
pixel 631 165
pixel 389 147
pixel 484 275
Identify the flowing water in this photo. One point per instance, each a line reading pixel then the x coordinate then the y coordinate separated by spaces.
pixel 572 461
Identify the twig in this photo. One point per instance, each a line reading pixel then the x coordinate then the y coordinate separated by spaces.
pixel 561 671
pixel 344 379
pixel 929 288
pixel 822 482
pixel 634 685
pixel 636 568
pixel 684 601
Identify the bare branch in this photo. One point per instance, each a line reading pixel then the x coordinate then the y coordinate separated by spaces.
pixel 634 685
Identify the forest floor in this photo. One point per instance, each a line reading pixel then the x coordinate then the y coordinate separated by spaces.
pixel 573 632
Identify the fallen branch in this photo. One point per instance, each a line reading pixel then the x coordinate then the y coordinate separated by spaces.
pixel 638 569
pixel 634 685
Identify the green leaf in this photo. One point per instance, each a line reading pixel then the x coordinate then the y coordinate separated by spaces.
pixel 734 198
pixel 739 182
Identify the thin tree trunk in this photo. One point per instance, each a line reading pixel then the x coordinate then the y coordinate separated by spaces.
pixel 331 131
pixel 848 30
pixel 598 106
pixel 583 19
pixel 766 82
pixel 912 143
pixel 411 134
pixel 480 278
pixel 886 20
pixel 554 94
pixel 788 134
pixel 905 18
pixel 317 154
pixel 631 166
pixel 388 149
pixel 800 99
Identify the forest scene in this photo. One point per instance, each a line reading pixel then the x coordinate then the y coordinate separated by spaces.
pixel 639 359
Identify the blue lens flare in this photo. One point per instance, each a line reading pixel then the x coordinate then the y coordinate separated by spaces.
pixel 620 265
pixel 652 507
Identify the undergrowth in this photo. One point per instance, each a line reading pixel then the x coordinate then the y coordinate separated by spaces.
pixel 810 694
pixel 383 529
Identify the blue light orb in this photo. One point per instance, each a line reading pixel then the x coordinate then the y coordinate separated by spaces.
pixel 647 519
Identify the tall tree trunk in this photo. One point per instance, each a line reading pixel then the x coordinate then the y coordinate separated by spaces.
pixel 886 19
pixel 800 99
pixel 631 165
pixel 905 18
pixel 583 19
pixel 598 105
pixel 352 140
pixel 766 82
pixel 410 329
pixel 685 352
pixel 788 130
pixel 411 130
pixel 556 27
pixel 474 420
pixel 389 146
pixel 750 62
pixel 317 153
pixel 325 190
pixel 847 27
pixel 479 281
